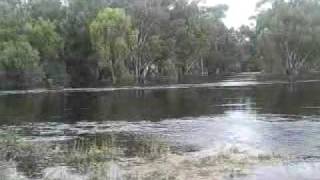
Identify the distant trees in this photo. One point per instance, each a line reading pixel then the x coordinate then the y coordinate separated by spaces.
pixel 113 36
pixel 289 35
pixel 42 35
pixel 20 63
pixel 86 43
pixel 18 56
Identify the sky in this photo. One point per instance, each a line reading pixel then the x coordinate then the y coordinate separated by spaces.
pixel 239 11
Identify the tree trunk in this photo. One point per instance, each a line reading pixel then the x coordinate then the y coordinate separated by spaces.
pixel 202 68
pixel 136 70
pixel 113 76
pixel 112 62
pixel 293 64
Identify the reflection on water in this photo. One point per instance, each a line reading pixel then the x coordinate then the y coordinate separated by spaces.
pixel 221 129
pixel 296 171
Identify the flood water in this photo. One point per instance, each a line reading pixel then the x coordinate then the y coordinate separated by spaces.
pixel 212 130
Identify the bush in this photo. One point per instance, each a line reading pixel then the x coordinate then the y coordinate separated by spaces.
pixel 19 63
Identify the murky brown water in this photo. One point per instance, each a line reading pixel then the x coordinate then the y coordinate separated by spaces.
pixel 236 128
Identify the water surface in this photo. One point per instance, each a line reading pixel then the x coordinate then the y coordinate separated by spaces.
pixel 241 119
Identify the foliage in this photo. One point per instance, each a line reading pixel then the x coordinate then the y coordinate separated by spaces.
pixel 288 35
pixel 12 16
pixel 46 9
pixel 20 62
pixel 99 42
pixel 42 35
pixel 18 56
pixel 111 34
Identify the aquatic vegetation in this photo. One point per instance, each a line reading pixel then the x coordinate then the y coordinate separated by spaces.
pixel 40 154
pixel 85 154
pixel 219 164
pixel 95 157
pixel 8 171
pixel 12 147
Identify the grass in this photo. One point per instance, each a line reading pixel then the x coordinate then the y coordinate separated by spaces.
pixel 100 159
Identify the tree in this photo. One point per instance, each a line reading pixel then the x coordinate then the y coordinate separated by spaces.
pixel 75 27
pixel 150 18
pixel 13 16
pixel 112 34
pixel 79 56
pixel 246 37
pixel 46 9
pixel 42 35
pixel 130 39
pixel 288 35
pixel 20 62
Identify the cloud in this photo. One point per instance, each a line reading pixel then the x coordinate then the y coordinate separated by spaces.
pixel 239 11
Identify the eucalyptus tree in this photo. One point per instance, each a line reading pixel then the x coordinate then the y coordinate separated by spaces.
pixel 75 26
pixel 43 36
pixel 20 63
pixel 112 34
pixel 18 56
pixel 13 15
pixel 289 35
pixel 218 49
pixel 52 10
pixel 182 26
pixel 122 39
pixel 149 17
pixel 79 54
pixel 246 37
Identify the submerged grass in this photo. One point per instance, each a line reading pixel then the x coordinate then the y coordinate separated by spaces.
pixel 92 159
pixel 13 148
pixel 223 163
pixel 33 156
pixel 85 154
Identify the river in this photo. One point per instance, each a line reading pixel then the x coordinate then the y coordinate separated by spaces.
pixel 238 127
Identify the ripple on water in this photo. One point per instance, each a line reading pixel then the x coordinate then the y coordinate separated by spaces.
pixel 296 171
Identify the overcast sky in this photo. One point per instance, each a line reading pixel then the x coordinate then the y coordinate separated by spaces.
pixel 239 11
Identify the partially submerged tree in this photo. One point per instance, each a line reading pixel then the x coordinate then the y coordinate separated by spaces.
pixel 289 35
pixel 112 35
pixel 97 40
pixel 42 35
pixel 46 9
pixel 20 62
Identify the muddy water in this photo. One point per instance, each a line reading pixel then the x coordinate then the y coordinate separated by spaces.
pixel 235 128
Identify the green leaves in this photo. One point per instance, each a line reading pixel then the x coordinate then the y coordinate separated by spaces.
pixel 42 35
pixel 112 35
pixel 46 9
pixel 29 39
pixel 18 56
pixel 102 40
pixel 290 30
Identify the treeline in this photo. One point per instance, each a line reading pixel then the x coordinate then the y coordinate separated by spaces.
pixel 82 43
pixel 288 36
